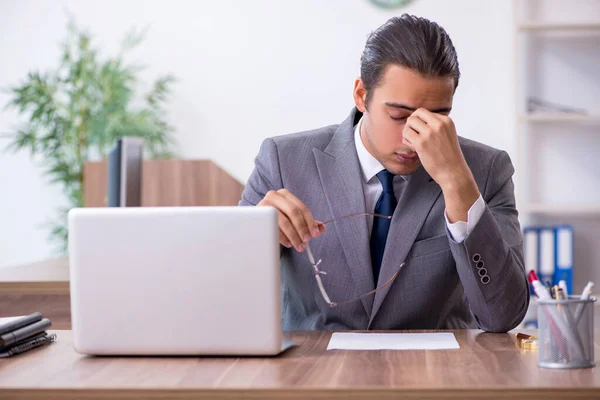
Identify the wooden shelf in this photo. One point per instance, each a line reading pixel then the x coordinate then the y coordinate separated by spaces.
pixel 562 209
pixel 170 182
pixel 42 278
pixel 540 117
pixel 560 26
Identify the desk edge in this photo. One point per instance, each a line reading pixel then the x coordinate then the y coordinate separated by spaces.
pixel 296 393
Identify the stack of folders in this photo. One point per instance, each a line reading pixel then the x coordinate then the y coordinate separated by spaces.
pixel 18 335
pixel 549 253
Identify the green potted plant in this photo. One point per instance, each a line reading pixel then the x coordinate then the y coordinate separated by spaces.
pixel 77 111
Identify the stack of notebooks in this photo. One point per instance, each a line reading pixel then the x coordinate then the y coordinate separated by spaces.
pixel 17 335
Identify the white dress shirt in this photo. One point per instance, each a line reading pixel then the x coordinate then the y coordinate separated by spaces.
pixel 372 188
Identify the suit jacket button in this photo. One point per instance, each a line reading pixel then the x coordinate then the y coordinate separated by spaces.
pixel 482 272
pixel 485 279
pixel 476 257
pixel 480 264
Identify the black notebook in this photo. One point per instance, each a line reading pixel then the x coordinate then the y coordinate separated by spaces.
pixel 9 338
pixel 19 334
pixel 27 344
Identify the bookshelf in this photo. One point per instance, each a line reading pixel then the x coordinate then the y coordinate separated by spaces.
pixel 559 26
pixel 557 53
pixel 549 117
pixel 564 210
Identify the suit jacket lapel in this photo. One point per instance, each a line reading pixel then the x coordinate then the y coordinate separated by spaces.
pixel 418 197
pixel 341 178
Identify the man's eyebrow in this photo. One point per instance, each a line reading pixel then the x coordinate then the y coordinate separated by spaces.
pixel 405 107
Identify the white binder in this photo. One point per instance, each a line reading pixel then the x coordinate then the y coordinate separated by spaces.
pixel 546 273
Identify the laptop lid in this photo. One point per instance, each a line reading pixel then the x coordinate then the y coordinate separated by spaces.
pixel 175 280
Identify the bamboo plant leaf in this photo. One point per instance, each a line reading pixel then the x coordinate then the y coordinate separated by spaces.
pixel 82 107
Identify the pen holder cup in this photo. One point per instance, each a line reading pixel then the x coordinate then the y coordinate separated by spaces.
pixel 566 333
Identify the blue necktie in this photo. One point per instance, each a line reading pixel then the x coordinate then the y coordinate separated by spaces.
pixel 385 205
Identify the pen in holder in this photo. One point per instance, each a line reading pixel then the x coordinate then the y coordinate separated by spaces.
pixel 564 341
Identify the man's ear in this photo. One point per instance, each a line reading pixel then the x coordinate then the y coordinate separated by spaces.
pixel 360 95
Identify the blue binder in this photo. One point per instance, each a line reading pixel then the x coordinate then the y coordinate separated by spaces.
pixel 563 255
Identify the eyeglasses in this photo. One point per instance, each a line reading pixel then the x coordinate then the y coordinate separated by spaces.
pixel 318 272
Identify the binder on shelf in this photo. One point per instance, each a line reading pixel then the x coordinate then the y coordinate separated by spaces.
pixel 563 248
pixel 531 249
pixel 124 173
pixel 547 259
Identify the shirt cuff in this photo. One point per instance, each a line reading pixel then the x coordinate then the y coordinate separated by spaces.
pixel 460 229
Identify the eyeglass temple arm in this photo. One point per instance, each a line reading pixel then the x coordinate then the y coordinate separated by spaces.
pixel 322 288
pixel 317 276
pixel 358 214
pixel 333 304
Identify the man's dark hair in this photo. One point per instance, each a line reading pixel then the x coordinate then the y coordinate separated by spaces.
pixel 412 42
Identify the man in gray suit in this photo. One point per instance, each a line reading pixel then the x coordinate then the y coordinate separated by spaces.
pixel 448 256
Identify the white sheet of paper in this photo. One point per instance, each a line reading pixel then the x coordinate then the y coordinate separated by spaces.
pixel 6 320
pixel 392 341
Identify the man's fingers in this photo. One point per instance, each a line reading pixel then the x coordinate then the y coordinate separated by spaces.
pixel 320 227
pixel 284 240
pixel 433 120
pixel 446 120
pixel 301 217
pixel 410 138
pixel 296 223
pixel 289 232
pixel 418 125
pixel 283 206
pixel 425 115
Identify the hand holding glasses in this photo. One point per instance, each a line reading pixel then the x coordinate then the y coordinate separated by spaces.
pixel 296 223
pixel 297 227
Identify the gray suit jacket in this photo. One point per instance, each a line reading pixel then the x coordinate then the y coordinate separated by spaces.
pixel 439 287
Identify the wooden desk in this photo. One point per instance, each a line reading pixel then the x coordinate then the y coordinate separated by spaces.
pixel 487 365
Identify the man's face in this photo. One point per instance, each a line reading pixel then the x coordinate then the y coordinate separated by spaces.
pixel 400 92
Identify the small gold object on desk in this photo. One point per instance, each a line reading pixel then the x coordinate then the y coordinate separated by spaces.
pixel 526 342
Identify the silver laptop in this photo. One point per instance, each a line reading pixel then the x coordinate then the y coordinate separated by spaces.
pixel 175 281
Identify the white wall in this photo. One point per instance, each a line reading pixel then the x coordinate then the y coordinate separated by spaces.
pixel 247 69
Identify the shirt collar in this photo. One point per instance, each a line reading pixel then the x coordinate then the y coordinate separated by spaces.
pixel 369 165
